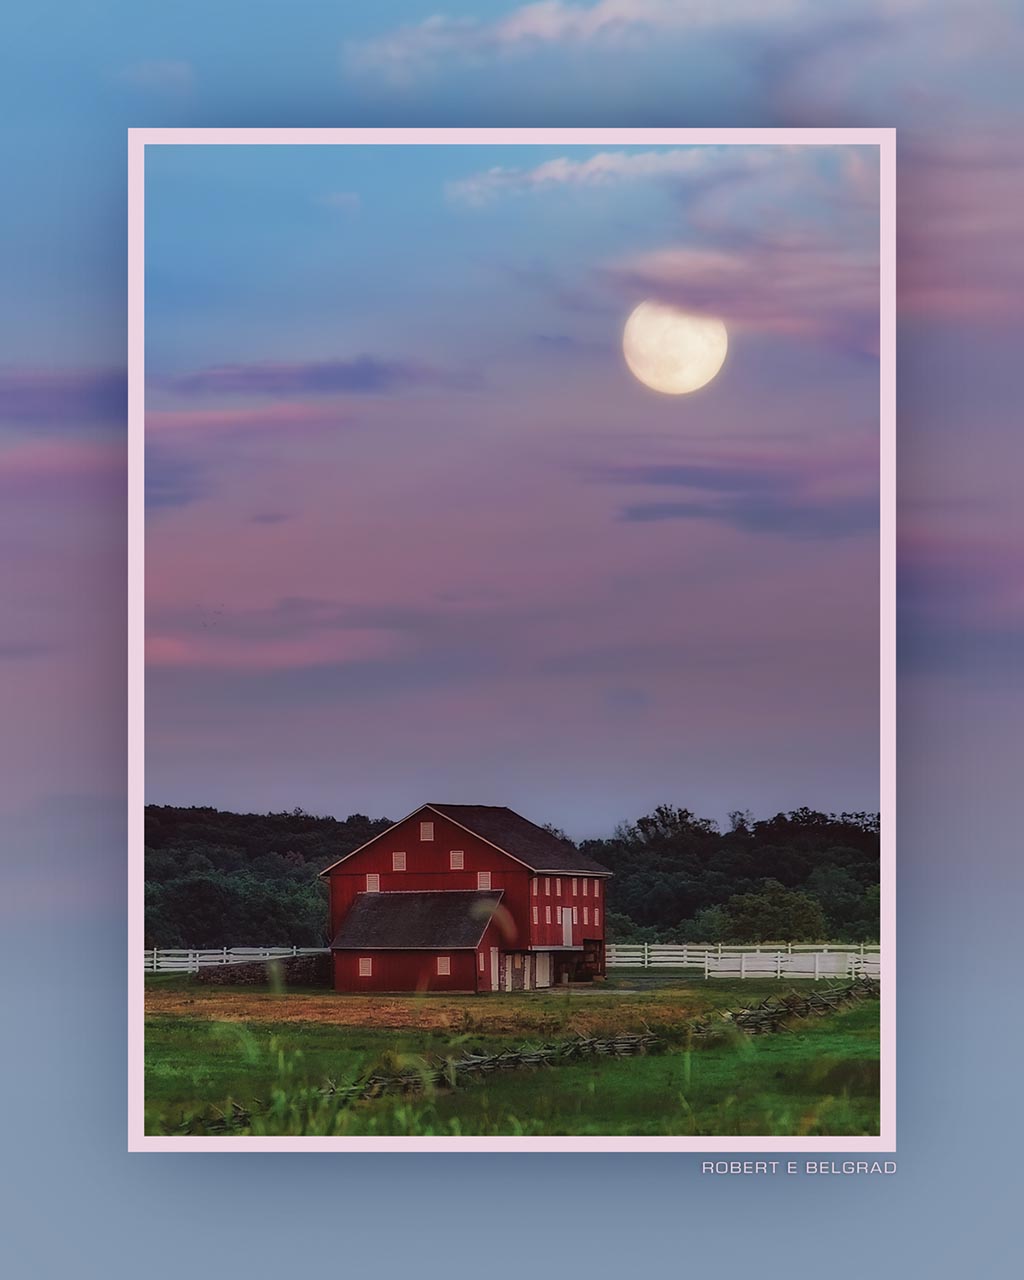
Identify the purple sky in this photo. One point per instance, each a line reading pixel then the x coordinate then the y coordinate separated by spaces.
pixel 415 531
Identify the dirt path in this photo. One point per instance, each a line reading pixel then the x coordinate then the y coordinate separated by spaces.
pixel 537 1012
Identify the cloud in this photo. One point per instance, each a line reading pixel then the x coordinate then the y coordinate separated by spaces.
pixel 786 285
pixel 35 469
pixel 63 398
pixel 606 24
pixel 283 416
pixel 165 75
pixel 959 210
pixel 23 650
pixel 172 481
pixel 788 516
pixel 827 499
pixel 416 47
pixel 346 201
pixel 362 374
pixel 607 168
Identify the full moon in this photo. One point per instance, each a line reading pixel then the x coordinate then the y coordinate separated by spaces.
pixel 673 351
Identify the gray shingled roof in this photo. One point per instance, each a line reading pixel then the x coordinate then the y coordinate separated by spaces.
pixel 438 920
pixel 537 848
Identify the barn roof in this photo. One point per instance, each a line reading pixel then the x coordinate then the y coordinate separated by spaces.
pixel 535 846
pixel 440 920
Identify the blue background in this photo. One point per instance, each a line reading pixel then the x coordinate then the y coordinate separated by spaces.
pixel 73 78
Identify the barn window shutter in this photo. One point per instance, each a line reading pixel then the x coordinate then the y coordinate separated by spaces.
pixel 426 831
pixel 457 860
pixel 558 886
pixel 534 882
pixel 483 879
pixel 597 917
pixel 372 882
pixel 536 916
pixel 481 959
pixel 597 888
pixel 586 915
pixel 575 916
pixel 365 967
pixel 398 861
pixel 586 887
pixel 575 885
pixel 547 915
pixel 547 884
pixel 444 966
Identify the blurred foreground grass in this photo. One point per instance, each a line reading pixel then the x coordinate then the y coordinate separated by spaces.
pixel 821 1078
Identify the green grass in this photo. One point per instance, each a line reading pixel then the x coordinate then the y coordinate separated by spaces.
pixel 819 1079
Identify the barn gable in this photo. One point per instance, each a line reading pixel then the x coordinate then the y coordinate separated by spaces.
pixel 508 832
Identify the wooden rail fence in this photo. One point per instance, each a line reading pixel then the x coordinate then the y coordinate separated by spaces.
pixel 802 960
pixel 796 960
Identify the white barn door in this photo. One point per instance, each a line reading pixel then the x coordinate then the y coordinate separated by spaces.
pixel 567 926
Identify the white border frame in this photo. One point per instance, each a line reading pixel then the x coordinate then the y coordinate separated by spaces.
pixel 138 141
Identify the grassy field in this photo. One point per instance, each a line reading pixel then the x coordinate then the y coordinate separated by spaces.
pixel 207 1047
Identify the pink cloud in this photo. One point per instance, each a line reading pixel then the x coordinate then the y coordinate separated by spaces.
pixel 274 417
pixel 787 285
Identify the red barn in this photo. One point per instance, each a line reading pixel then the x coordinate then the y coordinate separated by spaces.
pixel 460 897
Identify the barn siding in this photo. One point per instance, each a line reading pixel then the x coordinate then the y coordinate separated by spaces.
pixel 405 971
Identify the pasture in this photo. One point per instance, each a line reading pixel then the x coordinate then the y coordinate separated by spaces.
pixel 272 1052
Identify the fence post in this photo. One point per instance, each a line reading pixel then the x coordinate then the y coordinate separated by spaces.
pixel 789 947
pixel 743 964
pixel 156 962
pixel 707 964
pixel 224 956
pixel 719 951
pixel 294 952
pixel 817 965
pixel 647 955
pixel 778 964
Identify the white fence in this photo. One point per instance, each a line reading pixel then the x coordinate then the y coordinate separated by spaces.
pixel 183 961
pixel 796 961
pixel 792 961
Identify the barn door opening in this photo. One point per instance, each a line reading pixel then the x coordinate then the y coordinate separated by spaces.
pixel 567 926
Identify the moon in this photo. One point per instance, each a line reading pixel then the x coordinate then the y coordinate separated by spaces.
pixel 673 351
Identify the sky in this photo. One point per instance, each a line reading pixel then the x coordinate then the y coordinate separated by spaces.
pixel 415 531
pixel 73 79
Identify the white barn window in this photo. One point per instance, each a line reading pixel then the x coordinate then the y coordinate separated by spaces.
pixel 398 861
pixel 457 860
pixel 586 915
pixel 575 885
pixel 547 885
pixel 426 831
pixel 597 917
pixel 547 915
pixel 558 886
pixel 535 883
pixel 483 879
pixel 365 967
pixel 481 959
pixel 372 882
pixel 586 887
pixel 536 916
pixel 597 888
pixel 575 916
pixel 444 966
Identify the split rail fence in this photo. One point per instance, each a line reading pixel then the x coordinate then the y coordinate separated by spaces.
pixel 795 961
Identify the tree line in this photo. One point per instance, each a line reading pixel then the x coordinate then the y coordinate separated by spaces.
pixel 226 879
